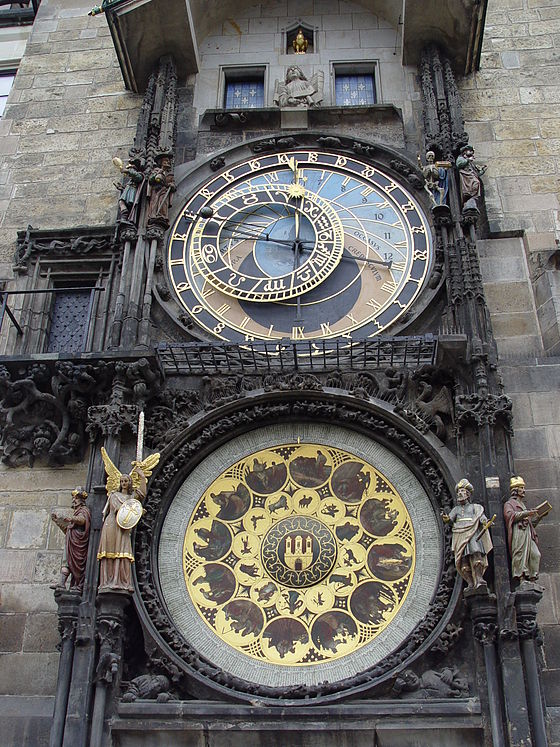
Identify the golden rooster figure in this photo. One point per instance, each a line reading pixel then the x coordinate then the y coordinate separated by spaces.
pixel 123 510
pixel 300 43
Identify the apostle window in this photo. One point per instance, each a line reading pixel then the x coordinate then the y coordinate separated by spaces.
pixel 244 88
pixel 354 85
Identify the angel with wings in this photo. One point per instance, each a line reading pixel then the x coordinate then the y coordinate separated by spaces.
pixel 298 90
pixel 115 546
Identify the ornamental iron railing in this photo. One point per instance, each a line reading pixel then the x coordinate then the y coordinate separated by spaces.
pixel 288 355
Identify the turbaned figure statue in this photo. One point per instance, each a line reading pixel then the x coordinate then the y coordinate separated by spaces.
pixel 471 541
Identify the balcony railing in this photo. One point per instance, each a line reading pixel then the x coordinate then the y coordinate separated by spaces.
pixel 287 355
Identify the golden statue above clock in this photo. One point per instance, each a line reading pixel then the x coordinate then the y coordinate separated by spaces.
pixel 302 244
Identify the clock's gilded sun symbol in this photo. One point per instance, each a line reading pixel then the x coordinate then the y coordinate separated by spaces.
pixel 296 190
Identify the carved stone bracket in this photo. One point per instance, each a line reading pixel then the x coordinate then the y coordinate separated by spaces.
pixel 109 631
pixel 138 381
pixel 226 422
pixel 68 603
pixel 483 409
pixel 484 615
pixel 527 597
pixel 43 409
pixel 111 420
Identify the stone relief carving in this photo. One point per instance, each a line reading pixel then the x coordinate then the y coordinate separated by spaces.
pixel 43 410
pixel 64 242
pixel 445 683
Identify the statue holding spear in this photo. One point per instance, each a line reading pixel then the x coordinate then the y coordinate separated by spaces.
pixel 123 510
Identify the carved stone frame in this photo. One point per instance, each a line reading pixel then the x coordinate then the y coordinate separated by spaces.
pixel 436 472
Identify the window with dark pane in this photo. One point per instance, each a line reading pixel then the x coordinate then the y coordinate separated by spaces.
pixel 69 321
pixel 244 93
pixel 6 82
pixel 354 89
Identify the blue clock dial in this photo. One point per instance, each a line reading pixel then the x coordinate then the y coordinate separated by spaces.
pixel 301 245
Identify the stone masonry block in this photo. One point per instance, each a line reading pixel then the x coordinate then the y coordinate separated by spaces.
pixel 540 474
pixel 546 407
pixel 530 442
pixel 16 565
pixel 26 598
pixel 516 130
pixel 553 441
pixel 501 270
pixel 519 347
pixel 508 297
pixel 29 674
pixel 5 516
pixel 544 378
pixel 47 567
pixel 515 324
pixel 351 39
pixel 11 632
pixel 41 633
pixel 522 413
pixel 546 613
pixel 28 529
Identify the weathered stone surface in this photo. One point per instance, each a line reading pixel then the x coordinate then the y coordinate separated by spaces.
pixel 11 631
pixel 28 673
pixel 23 597
pixel 41 633
pixel 16 565
pixel 28 529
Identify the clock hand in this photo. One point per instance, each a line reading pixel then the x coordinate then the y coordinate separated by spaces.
pixel 383 263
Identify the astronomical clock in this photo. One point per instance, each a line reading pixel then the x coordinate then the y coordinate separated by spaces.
pixel 299 244
pixel 295 535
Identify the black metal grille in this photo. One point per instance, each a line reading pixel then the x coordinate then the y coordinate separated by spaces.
pixel 69 321
pixel 316 355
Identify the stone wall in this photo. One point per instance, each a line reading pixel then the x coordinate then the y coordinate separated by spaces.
pixel 67 116
pixel 30 560
pixel 511 112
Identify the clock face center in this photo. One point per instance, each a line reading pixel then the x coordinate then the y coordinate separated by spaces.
pixel 298 551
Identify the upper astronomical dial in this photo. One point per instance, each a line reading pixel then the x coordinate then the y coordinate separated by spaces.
pixel 299 245
pixel 263 244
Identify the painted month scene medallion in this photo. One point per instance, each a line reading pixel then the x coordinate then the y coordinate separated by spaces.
pixel 299 554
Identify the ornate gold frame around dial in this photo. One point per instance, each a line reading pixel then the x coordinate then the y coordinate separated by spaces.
pixel 168 610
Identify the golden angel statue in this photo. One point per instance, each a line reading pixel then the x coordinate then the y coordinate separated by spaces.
pixel 123 510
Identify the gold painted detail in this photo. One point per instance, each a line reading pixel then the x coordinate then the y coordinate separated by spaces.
pixel 299 554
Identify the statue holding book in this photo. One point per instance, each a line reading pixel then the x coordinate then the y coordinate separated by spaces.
pixel 522 537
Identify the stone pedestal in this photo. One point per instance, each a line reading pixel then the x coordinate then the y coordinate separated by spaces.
pixel 484 615
pixel 68 606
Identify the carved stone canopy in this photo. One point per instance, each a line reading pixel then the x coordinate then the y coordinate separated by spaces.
pixel 177 28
